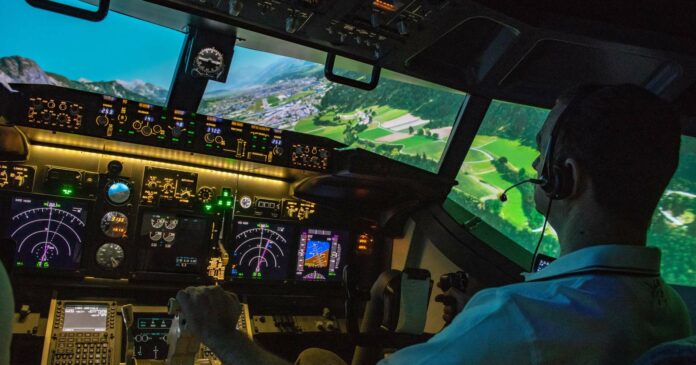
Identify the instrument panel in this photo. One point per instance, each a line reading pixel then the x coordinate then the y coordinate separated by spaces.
pixel 79 112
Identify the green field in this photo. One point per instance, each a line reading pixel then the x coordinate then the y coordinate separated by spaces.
pixel 470 185
pixel 474 155
pixel 298 96
pixel 518 155
pixel 512 209
pixel 305 125
pixel 432 148
pixel 385 113
pixel 374 133
pixel 481 140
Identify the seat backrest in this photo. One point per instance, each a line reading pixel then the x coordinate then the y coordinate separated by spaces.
pixel 688 293
pixel 680 352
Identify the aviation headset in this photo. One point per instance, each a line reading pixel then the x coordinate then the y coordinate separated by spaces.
pixel 557 179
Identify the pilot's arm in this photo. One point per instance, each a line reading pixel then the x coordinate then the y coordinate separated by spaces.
pixel 6 313
pixel 212 314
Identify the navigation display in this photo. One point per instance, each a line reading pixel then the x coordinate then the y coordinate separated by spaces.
pixel 85 318
pixel 48 232
pixel 320 255
pixel 171 242
pixel 260 250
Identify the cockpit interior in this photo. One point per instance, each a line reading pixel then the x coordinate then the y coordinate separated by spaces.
pixel 299 153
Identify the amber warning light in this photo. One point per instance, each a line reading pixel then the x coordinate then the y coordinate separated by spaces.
pixel 365 242
pixel 384 5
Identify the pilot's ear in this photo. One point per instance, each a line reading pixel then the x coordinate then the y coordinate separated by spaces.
pixel 576 178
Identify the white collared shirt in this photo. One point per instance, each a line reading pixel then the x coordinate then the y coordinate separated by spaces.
pixel 603 304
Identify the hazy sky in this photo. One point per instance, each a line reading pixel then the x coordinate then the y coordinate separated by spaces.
pixel 119 47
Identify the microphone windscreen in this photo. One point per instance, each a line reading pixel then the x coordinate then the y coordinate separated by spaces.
pixel 503 197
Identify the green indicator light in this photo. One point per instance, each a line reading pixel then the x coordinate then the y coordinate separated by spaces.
pixel 229 203
pixel 175 139
pixel 131 132
pixel 253 146
pixel 208 207
pixel 160 137
pixel 208 145
pixel 191 132
pixel 67 190
pixel 225 193
pixel 19 264
pixel 219 202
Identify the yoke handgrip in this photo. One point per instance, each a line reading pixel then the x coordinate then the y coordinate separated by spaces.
pixel 331 76
pixel 94 16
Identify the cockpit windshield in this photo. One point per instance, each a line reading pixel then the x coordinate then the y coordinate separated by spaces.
pixel 120 56
pixel 409 123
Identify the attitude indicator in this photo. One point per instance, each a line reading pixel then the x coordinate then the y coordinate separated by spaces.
pixel 260 251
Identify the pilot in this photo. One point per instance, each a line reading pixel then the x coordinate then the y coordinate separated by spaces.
pixel 615 148
pixel 6 314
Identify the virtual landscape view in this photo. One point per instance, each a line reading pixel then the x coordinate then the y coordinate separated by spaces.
pixel 412 124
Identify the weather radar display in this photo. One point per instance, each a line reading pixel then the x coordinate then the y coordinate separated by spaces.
pixel 260 251
pixel 48 233
pixel 319 256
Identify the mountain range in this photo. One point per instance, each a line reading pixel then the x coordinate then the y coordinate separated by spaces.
pixel 284 68
pixel 19 69
pixel 24 70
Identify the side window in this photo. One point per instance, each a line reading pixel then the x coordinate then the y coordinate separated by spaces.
pixel 673 227
pixel 119 56
pixel 501 155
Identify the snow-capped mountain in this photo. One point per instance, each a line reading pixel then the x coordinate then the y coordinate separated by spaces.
pixel 23 70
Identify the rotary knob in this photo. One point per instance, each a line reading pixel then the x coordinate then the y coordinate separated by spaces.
pixel 62 118
pixel 209 138
pixel 74 109
pixel 102 120
pixel 146 131
pixel 176 132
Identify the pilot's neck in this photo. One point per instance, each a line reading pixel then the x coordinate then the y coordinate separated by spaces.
pixel 591 227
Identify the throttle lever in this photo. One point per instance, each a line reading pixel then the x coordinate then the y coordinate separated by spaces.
pixel 183 344
pixel 458 280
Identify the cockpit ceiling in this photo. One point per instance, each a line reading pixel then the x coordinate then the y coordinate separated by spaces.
pixel 516 51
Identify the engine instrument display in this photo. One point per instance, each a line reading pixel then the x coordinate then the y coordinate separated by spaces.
pixel 118 192
pixel 168 188
pixel 320 255
pixel 260 250
pixel 110 256
pixel 172 242
pixel 150 335
pixel 114 224
pixel 49 233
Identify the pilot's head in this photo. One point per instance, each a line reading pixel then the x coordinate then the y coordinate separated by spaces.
pixel 614 150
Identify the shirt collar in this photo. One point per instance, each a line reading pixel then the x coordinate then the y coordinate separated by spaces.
pixel 628 259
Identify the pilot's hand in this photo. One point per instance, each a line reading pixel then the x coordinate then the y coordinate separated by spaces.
pixel 454 301
pixel 210 312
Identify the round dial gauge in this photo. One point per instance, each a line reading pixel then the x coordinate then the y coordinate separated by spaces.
pixel 206 194
pixel 110 256
pixel 245 202
pixel 209 62
pixel 171 223
pixel 114 224
pixel 118 193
